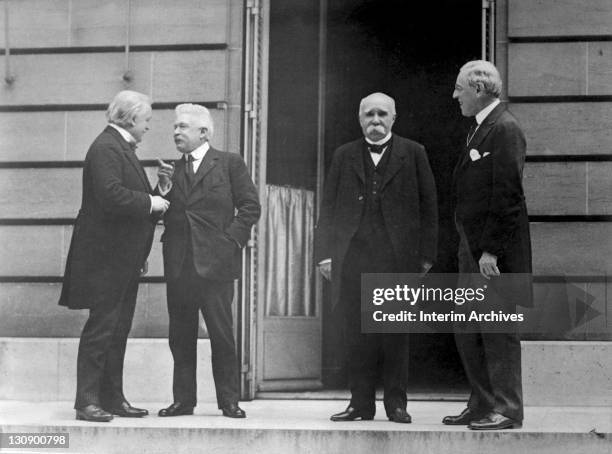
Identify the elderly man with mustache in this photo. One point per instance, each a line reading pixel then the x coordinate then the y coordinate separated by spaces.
pixel 379 215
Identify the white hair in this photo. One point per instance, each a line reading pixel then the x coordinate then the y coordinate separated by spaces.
pixel 381 97
pixel 483 75
pixel 125 106
pixel 201 115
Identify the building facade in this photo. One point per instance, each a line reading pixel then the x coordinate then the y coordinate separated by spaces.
pixel 283 81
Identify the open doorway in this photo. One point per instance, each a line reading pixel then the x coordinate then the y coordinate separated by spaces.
pixel 410 52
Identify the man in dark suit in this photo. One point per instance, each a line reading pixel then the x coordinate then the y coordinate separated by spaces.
pixel 110 243
pixel 491 219
pixel 378 215
pixel 214 204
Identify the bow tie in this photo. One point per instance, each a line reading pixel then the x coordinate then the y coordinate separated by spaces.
pixel 377 149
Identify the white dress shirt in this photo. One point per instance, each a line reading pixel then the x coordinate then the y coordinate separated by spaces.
pixel 198 155
pixel 480 116
pixel 129 138
pixel 376 157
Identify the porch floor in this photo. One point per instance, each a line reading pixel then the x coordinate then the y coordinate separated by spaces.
pixel 303 426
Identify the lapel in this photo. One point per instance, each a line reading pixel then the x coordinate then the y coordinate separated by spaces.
pixel 481 133
pixel 131 156
pixel 208 163
pixel 396 160
pixel 464 158
pixel 356 157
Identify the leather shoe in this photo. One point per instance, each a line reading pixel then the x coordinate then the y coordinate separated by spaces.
pixel 351 414
pixel 463 419
pixel 125 410
pixel 93 413
pixel 400 415
pixel 495 421
pixel 176 409
pixel 233 411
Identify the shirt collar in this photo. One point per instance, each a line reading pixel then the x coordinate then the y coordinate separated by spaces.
pixel 480 116
pixel 129 138
pixel 381 141
pixel 199 152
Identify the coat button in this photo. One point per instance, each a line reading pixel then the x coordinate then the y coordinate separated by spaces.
pixel 360 198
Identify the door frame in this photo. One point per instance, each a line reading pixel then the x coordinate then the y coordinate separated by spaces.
pixel 256 79
pixel 255 129
pixel 253 141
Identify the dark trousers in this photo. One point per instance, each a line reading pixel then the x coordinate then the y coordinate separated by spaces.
pixel 370 354
pixel 187 296
pixel 102 351
pixel 492 361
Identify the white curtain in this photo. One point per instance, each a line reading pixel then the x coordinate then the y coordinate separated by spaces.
pixel 289 252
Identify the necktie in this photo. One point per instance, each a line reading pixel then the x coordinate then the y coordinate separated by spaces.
pixel 471 132
pixel 189 170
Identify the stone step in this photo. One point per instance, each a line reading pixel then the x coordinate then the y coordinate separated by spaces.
pixel 298 427
pixel 37 369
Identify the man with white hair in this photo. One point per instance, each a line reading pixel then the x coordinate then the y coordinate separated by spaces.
pixel 491 219
pixel 214 204
pixel 378 215
pixel 111 240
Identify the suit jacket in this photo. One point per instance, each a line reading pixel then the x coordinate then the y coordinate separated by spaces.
pixel 212 220
pixel 489 199
pixel 113 231
pixel 408 203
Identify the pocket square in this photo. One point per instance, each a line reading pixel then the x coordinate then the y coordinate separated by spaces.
pixel 486 153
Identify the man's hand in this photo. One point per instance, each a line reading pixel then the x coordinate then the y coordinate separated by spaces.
pixel 159 204
pixel 488 265
pixel 325 269
pixel 164 175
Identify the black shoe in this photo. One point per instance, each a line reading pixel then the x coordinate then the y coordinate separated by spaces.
pixel 93 413
pixel 125 410
pixel 176 409
pixel 400 415
pixel 463 419
pixel 351 414
pixel 495 421
pixel 233 411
